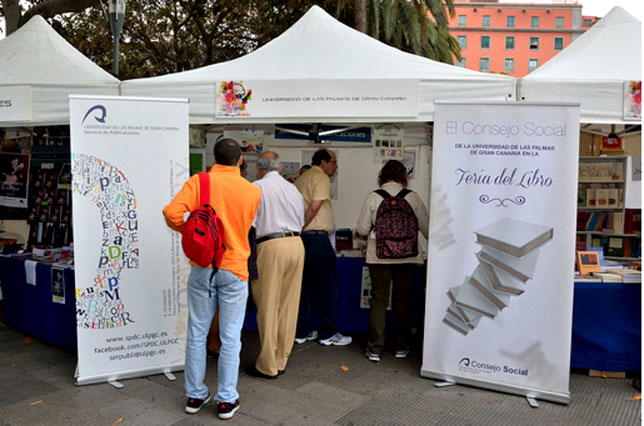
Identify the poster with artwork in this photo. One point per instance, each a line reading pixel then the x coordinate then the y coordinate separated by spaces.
pixel 14 179
pixel 250 141
pixel 58 285
pixel 130 271
pixel 290 170
pixel 633 100
pixel 388 143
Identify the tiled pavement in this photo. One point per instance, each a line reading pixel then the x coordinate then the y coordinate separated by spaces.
pixel 36 388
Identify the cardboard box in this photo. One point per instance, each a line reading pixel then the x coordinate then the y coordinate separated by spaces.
pixel 607 374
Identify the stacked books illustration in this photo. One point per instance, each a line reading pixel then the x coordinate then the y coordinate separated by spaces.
pixel 506 261
pixel 439 231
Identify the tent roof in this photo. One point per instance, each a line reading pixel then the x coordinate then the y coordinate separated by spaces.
pixel 610 50
pixel 36 54
pixel 37 57
pixel 592 69
pixel 318 46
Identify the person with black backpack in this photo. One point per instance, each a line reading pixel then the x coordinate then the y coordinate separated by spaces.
pixel 390 220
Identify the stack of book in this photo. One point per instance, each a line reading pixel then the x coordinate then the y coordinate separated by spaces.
pixel 506 261
pixel 628 276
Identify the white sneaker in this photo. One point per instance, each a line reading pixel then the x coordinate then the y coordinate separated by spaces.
pixel 337 340
pixel 311 336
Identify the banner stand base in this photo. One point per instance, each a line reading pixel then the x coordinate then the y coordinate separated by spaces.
pixel 530 394
pixel 168 375
pixel 532 401
pixel 443 384
pixel 117 385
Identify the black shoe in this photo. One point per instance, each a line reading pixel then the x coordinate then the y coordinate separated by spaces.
pixel 251 370
pixel 193 405
pixel 226 410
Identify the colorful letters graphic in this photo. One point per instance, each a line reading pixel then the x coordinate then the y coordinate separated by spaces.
pixel 99 305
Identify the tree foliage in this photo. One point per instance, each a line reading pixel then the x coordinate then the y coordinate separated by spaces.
pixel 165 36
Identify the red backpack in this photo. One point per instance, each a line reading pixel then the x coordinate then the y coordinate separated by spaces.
pixel 396 227
pixel 202 236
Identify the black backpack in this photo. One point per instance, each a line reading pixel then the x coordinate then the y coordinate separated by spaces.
pixel 396 227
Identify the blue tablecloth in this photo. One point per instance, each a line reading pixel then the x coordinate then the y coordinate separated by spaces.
pixel 31 308
pixel 351 317
pixel 607 327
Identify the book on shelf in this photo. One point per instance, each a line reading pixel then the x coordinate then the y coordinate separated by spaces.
pixel 582 219
pixel 613 197
pixel 617 222
pixel 617 171
pixel 580 244
pixel 615 247
pixel 514 237
pixel 590 197
pixel 601 197
pixel 581 197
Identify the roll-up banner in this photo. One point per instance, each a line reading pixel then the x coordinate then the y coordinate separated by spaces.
pixel 502 247
pixel 129 158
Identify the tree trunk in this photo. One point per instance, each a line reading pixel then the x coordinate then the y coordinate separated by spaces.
pixel 360 11
pixel 11 15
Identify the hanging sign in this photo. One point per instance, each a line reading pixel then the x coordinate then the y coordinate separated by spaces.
pixel 317 98
pixel 15 103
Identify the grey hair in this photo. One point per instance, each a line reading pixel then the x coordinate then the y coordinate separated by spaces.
pixel 264 164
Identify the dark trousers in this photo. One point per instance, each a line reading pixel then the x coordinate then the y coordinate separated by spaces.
pixel 320 286
pixel 402 275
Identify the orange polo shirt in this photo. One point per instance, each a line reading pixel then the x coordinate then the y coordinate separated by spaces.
pixel 234 199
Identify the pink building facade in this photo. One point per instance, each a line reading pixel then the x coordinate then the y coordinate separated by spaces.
pixel 514 38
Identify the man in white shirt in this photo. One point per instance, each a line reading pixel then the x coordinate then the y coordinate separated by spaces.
pixel 280 261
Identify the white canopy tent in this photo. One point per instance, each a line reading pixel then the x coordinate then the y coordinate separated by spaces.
pixel 45 68
pixel 319 50
pixel 592 70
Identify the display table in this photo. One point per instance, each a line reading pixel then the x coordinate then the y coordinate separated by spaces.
pixel 607 327
pixel 31 308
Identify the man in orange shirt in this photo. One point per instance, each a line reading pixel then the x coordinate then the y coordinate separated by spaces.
pixel 236 201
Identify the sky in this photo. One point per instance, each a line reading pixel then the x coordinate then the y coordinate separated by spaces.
pixel 590 7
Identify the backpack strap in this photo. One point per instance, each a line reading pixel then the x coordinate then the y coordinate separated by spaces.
pixel 204 189
pixel 403 193
pixel 382 193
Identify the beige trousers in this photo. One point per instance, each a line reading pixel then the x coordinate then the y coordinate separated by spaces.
pixel 277 295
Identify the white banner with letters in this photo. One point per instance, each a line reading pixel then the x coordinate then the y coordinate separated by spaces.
pixel 129 158
pixel 15 103
pixel 317 98
pixel 501 247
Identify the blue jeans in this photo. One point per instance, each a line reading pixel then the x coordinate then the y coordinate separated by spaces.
pixel 319 285
pixel 231 293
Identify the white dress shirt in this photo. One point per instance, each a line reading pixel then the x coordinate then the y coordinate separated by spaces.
pixel 281 208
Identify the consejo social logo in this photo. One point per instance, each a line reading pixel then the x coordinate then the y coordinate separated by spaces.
pixel 464 362
pixel 100 113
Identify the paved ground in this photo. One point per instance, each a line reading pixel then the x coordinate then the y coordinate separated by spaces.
pixel 36 388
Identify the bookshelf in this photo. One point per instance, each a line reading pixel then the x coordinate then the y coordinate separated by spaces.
pixel 602 219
